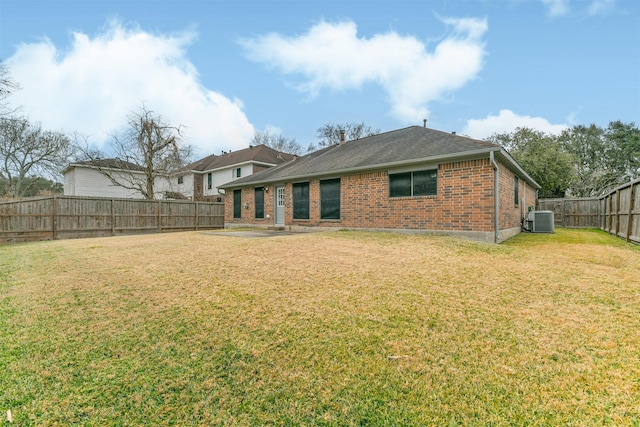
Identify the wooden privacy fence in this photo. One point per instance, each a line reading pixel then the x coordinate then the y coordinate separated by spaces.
pixel 67 217
pixel 617 213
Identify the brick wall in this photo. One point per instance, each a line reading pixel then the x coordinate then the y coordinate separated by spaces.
pixel 510 212
pixel 464 202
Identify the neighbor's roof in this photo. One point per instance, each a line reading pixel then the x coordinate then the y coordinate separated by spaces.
pixel 258 154
pixel 106 164
pixel 402 147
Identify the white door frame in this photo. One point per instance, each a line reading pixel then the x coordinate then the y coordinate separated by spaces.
pixel 279 204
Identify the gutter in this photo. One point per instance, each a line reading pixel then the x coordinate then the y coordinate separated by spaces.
pixel 496 198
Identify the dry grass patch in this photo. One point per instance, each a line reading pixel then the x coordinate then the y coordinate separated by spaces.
pixel 339 328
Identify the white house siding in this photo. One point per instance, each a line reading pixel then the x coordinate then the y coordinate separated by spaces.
pixel 84 181
pixel 69 188
pixel 162 185
pixel 223 176
pixel 186 188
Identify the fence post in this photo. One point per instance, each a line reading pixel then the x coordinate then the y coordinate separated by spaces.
pixel 610 216
pixel 617 212
pixel 632 199
pixel 197 211
pixel 159 216
pixel 55 217
pixel 113 218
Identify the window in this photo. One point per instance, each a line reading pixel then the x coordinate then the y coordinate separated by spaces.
pixel 330 199
pixel 259 201
pixel 209 180
pixel 419 183
pixel 180 179
pixel 237 172
pixel 280 197
pixel 515 190
pixel 237 203
pixel 301 200
pixel 400 184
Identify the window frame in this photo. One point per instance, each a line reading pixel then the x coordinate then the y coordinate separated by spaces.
pixel 237 204
pixel 398 189
pixel 209 181
pixel 258 205
pixel 300 203
pixel 327 210
pixel 237 173
pixel 181 179
pixel 516 190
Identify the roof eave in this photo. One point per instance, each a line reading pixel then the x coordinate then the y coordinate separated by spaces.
pixel 506 156
pixel 248 162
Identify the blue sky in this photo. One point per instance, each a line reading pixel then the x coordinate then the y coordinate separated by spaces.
pixel 226 69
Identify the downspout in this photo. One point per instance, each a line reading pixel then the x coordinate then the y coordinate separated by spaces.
pixel 496 198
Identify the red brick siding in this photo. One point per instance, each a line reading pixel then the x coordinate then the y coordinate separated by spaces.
pixel 464 202
pixel 248 214
pixel 510 213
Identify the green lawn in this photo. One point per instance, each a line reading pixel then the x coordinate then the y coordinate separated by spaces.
pixel 340 328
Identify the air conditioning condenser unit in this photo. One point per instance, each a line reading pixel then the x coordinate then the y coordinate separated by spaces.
pixel 541 221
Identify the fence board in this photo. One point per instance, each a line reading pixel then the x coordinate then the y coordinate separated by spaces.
pixel 617 213
pixel 65 217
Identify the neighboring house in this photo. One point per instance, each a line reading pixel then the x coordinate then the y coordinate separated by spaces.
pixel 414 179
pixel 85 179
pixel 200 180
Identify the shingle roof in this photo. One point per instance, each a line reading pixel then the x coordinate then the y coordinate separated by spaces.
pixel 260 153
pixel 406 146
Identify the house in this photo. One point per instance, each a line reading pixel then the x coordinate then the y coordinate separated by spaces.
pixel 413 179
pixel 198 181
pixel 89 178
pixel 201 179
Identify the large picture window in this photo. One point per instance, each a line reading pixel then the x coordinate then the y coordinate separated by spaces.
pixel 330 199
pixel 259 201
pixel 418 183
pixel 237 203
pixel 301 200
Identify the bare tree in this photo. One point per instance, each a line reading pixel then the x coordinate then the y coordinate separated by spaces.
pixel 329 134
pixel 277 141
pixel 150 148
pixel 28 151
pixel 7 86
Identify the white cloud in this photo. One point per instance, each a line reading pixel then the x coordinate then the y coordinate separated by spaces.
pixel 93 86
pixel 332 56
pixel 557 7
pixel 506 122
pixel 598 7
pixel 272 129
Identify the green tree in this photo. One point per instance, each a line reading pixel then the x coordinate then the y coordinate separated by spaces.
pixel 586 147
pixel 622 149
pixel 542 156
pixel 602 158
pixel 33 186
